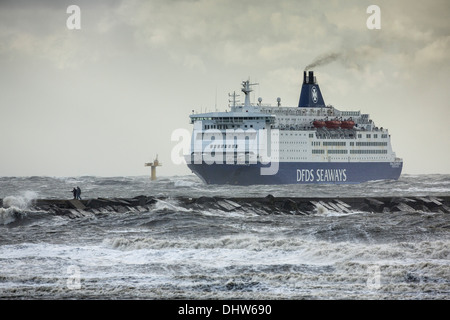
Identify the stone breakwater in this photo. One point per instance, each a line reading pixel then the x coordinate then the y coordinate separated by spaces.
pixel 259 205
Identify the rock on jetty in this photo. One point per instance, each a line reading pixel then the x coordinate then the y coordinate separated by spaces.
pixel 305 206
pixel 260 205
pixel 82 208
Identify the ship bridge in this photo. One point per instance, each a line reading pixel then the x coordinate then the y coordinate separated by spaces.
pixel 231 120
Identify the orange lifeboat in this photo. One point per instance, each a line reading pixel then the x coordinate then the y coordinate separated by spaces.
pixel 333 124
pixel 319 123
pixel 347 124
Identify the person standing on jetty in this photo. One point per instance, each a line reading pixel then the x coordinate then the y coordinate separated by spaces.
pixel 78 193
pixel 75 192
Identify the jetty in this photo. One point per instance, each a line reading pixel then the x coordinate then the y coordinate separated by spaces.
pixel 260 205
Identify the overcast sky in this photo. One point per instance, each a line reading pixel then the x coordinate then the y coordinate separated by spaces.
pixel 105 99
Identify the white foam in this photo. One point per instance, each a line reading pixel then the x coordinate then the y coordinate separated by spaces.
pixel 161 205
pixel 283 266
pixel 293 250
pixel 15 205
pixel 21 202
pixel 320 209
pixel 184 183
pixel 341 214
pixel 227 214
pixel 8 215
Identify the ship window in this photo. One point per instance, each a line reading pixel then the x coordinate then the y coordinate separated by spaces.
pixel 368 151
pixel 371 144
pixel 334 143
pixel 337 151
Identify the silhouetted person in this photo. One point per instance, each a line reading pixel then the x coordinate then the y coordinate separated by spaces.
pixel 75 193
pixel 78 193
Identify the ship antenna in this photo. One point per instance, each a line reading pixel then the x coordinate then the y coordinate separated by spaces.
pixel 246 89
pixel 215 102
pixel 233 95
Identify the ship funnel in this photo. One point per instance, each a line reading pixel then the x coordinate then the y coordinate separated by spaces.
pixel 310 96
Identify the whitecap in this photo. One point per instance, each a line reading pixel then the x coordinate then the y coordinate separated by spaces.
pixel 161 205
pixel 8 215
pixel 184 183
pixel 21 202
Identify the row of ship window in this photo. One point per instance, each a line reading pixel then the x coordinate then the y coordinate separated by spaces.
pixel 293 142
pixel 321 151
pixel 352 144
pixel 229 119
pixel 314 151
pixel 225 146
pixel 313 112
pixel 332 158
pixel 368 135
pixel 383 136
pixel 225 126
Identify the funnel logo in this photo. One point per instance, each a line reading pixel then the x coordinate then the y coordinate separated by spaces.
pixel 314 94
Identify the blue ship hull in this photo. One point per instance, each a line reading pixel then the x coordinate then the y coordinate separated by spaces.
pixel 298 173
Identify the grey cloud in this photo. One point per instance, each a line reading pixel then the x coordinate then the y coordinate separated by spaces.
pixel 131 56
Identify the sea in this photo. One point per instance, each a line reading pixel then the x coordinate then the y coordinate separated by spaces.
pixel 174 252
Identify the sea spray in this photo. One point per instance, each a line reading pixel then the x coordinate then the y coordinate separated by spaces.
pixel 21 202
pixel 8 215
pixel 14 206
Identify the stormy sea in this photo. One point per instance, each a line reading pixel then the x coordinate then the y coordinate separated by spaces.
pixel 173 251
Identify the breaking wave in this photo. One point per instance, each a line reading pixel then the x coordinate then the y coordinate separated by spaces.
pixel 15 207
pixel 20 202
pixel 305 249
pixel 162 205
pixel 9 215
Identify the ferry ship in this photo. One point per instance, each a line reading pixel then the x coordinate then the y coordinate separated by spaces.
pixel 312 143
